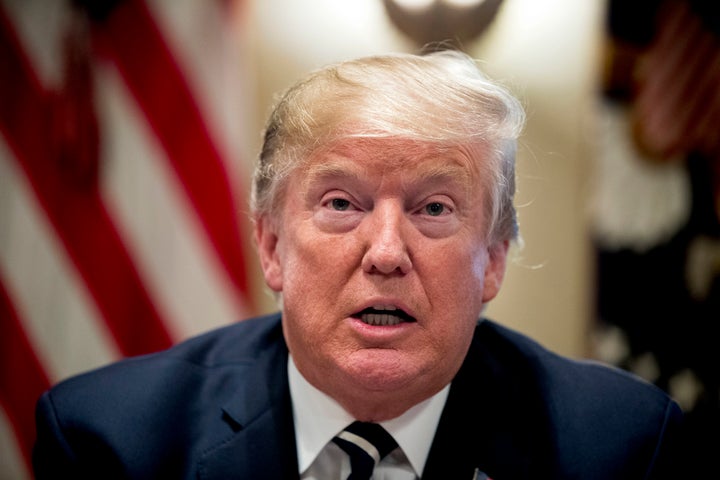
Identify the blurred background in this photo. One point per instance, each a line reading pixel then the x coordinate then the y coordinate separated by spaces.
pixel 128 130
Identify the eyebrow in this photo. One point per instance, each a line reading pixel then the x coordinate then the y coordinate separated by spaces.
pixel 331 170
pixel 444 172
pixel 347 168
pixel 318 173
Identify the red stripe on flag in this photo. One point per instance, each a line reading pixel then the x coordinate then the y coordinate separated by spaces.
pixel 678 84
pixel 74 205
pixel 22 378
pixel 132 40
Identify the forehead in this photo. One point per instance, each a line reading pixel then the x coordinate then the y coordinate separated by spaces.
pixel 404 158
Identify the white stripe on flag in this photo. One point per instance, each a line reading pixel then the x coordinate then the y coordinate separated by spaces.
pixel 211 48
pixel 40 26
pixel 157 224
pixel 204 40
pixel 11 465
pixel 60 317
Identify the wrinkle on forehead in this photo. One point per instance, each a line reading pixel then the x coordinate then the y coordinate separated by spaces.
pixel 428 161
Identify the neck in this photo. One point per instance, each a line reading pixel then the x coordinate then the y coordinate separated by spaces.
pixel 378 407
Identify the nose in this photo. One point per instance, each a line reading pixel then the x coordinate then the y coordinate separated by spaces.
pixel 387 249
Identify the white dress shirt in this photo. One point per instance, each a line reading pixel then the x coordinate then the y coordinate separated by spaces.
pixel 318 418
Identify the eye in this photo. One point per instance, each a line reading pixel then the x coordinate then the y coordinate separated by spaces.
pixel 339 204
pixel 434 209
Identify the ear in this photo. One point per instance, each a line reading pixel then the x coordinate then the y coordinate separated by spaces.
pixel 495 269
pixel 266 240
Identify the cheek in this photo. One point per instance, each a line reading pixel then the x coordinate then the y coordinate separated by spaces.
pixel 315 269
pixel 459 275
pixel 454 286
pixel 311 258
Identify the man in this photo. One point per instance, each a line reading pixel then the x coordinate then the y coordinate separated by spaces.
pixel 383 210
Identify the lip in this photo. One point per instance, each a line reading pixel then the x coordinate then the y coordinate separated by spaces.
pixel 380 336
pixel 386 302
pixel 376 335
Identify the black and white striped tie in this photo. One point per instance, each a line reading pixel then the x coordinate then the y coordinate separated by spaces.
pixel 366 444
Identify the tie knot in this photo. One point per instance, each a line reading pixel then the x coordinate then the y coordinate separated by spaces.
pixel 366 444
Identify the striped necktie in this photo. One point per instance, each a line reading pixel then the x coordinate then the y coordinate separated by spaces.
pixel 366 444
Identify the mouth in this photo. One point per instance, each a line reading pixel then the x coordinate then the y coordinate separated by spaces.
pixel 383 315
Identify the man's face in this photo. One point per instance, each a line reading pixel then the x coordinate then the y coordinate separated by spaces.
pixel 381 260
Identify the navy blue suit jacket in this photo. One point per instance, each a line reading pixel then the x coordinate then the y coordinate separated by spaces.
pixel 218 407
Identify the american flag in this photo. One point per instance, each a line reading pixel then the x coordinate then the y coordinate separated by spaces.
pixel 123 132
pixel 677 99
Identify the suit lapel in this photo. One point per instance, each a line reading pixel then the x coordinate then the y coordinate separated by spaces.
pixel 258 441
pixel 264 449
pixel 491 420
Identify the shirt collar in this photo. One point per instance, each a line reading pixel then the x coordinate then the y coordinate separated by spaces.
pixel 318 418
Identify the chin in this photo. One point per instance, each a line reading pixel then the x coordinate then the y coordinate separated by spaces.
pixel 382 370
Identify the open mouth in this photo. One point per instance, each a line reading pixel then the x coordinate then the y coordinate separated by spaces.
pixel 383 316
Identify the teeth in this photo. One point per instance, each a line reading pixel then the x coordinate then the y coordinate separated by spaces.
pixel 382 315
pixel 380 319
